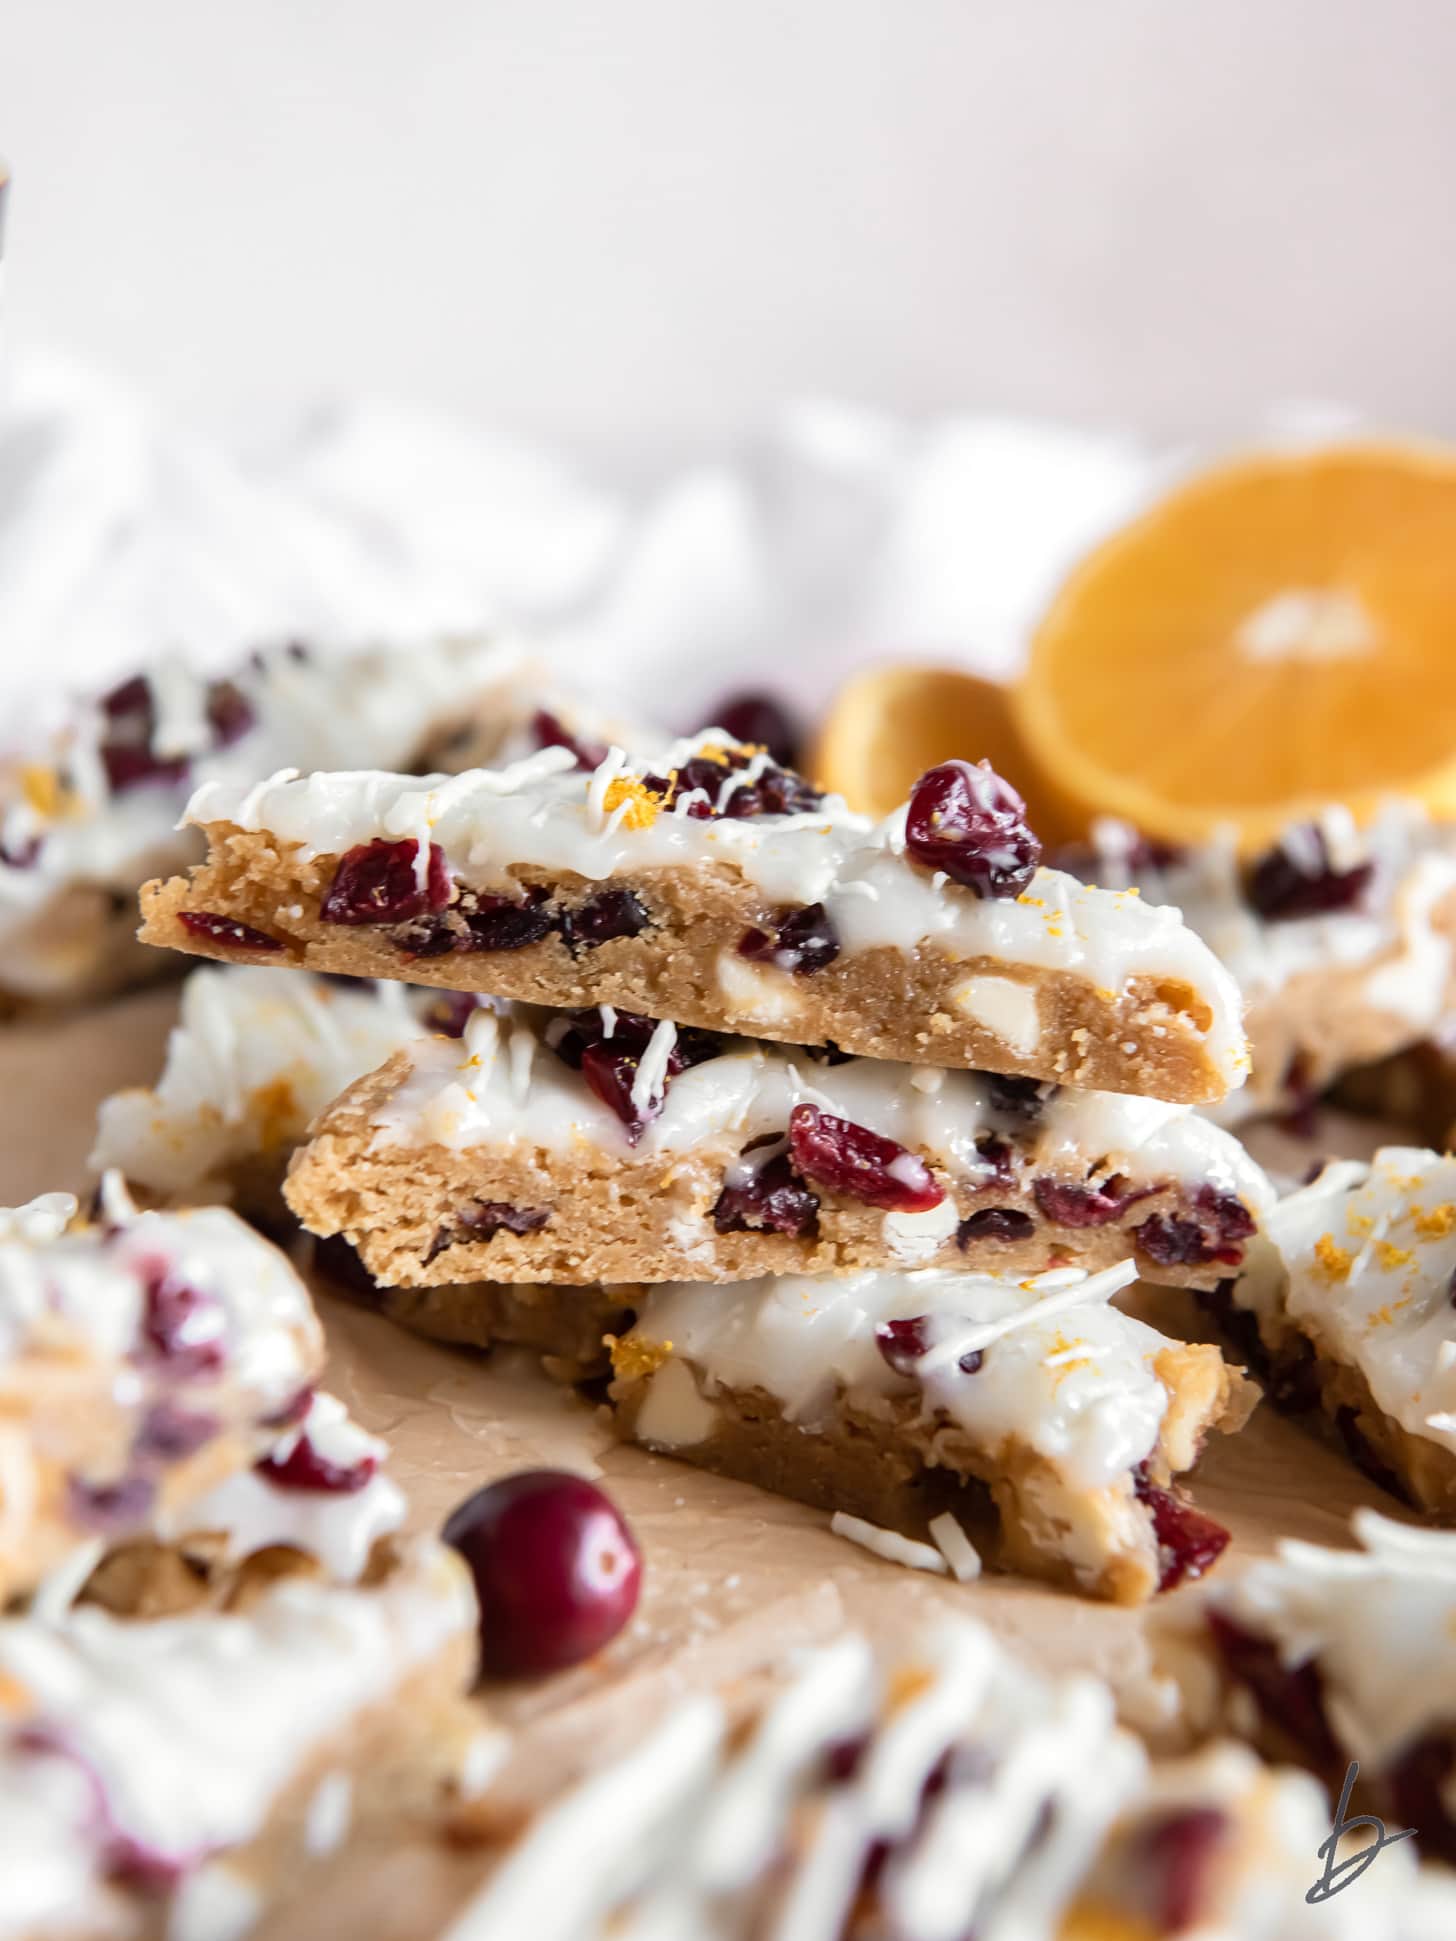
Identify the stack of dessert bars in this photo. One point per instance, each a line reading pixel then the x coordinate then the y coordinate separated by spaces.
pixel 218 1654
pixel 827 1145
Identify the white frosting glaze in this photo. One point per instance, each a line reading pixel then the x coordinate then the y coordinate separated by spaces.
pixel 84 1291
pixel 1064 1372
pixel 188 1728
pixel 466 1094
pixel 1369 1252
pixel 542 813
pixel 1380 1622
pixel 253 1058
pixel 371 707
pixel 678 1838
pixel 339 1527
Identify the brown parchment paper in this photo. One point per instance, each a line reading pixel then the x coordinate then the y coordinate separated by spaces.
pixel 732 1575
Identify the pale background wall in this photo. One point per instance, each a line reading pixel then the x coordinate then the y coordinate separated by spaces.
pixel 637 225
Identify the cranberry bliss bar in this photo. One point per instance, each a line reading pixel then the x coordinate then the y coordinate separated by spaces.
pixel 717 889
pixel 595 1145
pixel 933 1792
pixel 1341 939
pixel 1354 1311
pixel 142 1359
pixel 891 1396
pixel 88 811
pixel 1327 1656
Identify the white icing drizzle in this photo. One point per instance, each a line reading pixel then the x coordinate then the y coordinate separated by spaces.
pixel 43 1218
pixel 685 1835
pixel 187 1729
pixel 1368 1253
pixel 339 1527
pixel 374 707
pixel 1379 1621
pixel 1092 1416
pixel 553 818
pixel 459 1095
pixel 252 1059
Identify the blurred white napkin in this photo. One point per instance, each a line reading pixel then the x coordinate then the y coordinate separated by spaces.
pixel 845 535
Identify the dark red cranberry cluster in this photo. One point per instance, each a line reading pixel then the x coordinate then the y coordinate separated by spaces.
pixel 704 780
pixel 130 713
pixel 769 1196
pixel 965 821
pixel 609 1061
pixel 1298 878
pixel 1086 1206
pixel 1213 1230
pixel 378 883
pixel 483 1219
pixel 802 941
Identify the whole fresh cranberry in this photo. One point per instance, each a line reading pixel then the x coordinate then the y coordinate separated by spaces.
pixel 966 821
pixel 762 722
pixel 557 1571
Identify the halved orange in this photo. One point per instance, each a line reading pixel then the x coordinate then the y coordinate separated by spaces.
pixel 886 726
pixel 1277 635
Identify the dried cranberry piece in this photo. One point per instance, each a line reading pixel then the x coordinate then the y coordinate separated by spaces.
pixel 772 791
pixel 170 1434
pixel 773 1199
pixel 802 941
pixel 1366 1458
pixel 505 923
pixel 903 1343
pixel 609 1064
pixel 377 882
pixel 842 1759
pixel 24 856
pixel 304 1468
pixel 995 1223
pixel 230 713
pixel 997 1158
pixel 1297 878
pixel 1188 1541
pixel 488 1217
pixel 109 1508
pixel 226 930
pixel 557 1571
pixel 603 918
pixel 180 1324
pixel 1175 1852
pixel 425 937
pixel 1213 1232
pixel 549 731
pixel 963 819
pixel 126 747
pixel 1020 1099
pixel 762 722
pixel 1419 1785
pixel 448 1012
pixel 1086 1206
pixel 1289 1696
pixel 777 791
pixel 850 1159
